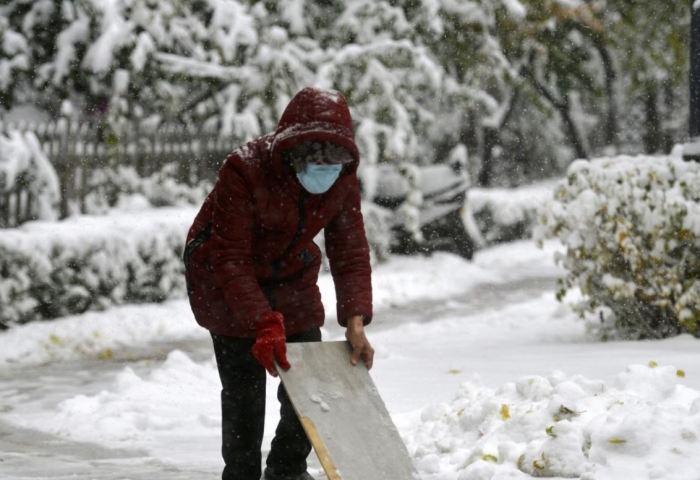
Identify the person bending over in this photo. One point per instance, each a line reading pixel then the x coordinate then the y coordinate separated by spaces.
pixel 252 269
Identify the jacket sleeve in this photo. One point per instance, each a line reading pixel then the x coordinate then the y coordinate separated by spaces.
pixel 348 255
pixel 231 248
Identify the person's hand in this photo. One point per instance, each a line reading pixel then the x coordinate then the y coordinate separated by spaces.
pixel 271 342
pixel 361 348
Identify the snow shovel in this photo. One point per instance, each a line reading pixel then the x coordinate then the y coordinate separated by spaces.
pixel 343 414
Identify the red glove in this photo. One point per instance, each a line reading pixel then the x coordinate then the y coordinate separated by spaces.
pixel 271 342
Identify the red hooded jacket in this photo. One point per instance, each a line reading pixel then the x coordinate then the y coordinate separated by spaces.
pixel 251 250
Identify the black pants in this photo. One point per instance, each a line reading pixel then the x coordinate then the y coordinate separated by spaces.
pixel 243 413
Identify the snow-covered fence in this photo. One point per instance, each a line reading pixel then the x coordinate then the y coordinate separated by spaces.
pixel 77 150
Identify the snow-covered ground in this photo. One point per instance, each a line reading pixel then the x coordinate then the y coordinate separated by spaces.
pixel 483 371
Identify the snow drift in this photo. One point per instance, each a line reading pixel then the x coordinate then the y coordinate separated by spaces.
pixel 644 425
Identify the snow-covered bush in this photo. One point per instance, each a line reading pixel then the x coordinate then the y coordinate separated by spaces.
pixel 508 214
pixel 51 269
pixel 22 161
pixel 631 226
pixel 129 255
pixel 109 187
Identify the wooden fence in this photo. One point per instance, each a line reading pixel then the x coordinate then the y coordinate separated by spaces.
pixel 76 150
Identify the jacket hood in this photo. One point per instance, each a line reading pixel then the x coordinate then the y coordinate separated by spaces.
pixel 315 115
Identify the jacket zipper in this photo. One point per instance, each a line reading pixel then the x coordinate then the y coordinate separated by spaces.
pixel 272 290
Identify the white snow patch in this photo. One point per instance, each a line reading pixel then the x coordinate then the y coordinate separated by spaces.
pixel 643 425
pixel 178 403
pixel 319 401
pixel 115 33
pixel 95 334
pixel 21 155
pixel 515 8
pixel 443 275
pixel 78 32
pixel 511 205
pixel 693 147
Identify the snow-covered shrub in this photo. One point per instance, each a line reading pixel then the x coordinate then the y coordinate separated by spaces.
pixel 23 162
pixel 631 226
pixel 51 269
pixel 508 214
pixel 109 187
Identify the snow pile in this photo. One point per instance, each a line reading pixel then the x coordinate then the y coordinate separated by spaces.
pixel 24 165
pixel 631 226
pixel 645 425
pixel 172 410
pixel 128 413
pixel 51 269
pixel 507 214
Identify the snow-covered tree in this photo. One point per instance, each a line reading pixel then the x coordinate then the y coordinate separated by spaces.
pixel 232 64
pixel 421 76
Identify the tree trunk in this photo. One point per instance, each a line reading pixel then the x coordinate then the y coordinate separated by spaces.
pixel 572 130
pixel 562 107
pixel 611 123
pixel 694 125
pixel 491 138
pixel 611 118
pixel 653 137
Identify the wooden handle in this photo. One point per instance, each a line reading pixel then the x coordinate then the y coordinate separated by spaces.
pixel 321 449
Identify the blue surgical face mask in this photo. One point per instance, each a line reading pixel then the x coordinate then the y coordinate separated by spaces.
pixel 319 178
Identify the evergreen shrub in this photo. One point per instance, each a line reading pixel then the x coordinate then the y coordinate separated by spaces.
pixel 89 262
pixel 53 269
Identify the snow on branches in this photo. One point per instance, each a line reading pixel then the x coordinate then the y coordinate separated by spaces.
pixel 235 65
pixel 22 162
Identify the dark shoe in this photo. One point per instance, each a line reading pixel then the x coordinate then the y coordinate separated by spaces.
pixel 271 475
